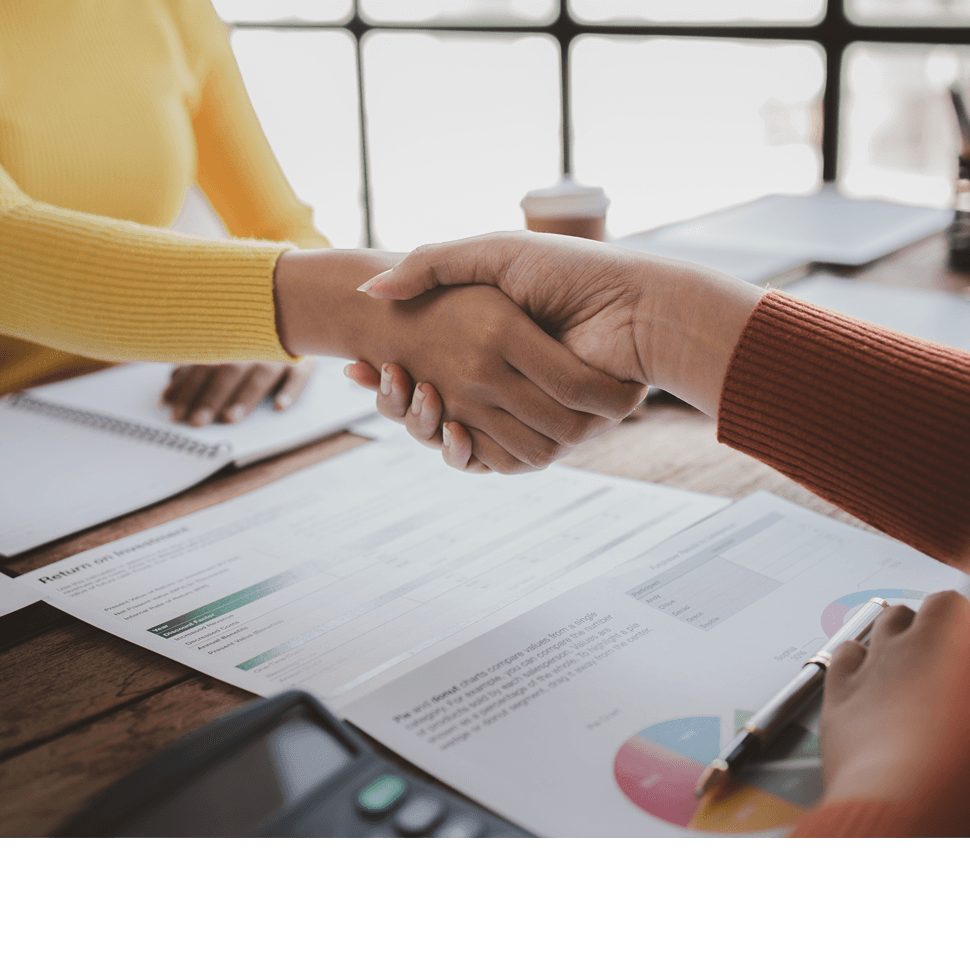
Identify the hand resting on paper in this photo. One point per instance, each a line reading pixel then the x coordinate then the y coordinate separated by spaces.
pixel 201 394
pixel 885 706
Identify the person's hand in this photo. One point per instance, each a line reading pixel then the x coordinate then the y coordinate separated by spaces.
pixel 884 706
pixel 636 317
pixel 201 394
pixel 419 408
pixel 523 397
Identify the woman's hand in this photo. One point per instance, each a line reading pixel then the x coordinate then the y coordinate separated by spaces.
pixel 884 706
pixel 523 397
pixel 419 408
pixel 201 394
pixel 636 317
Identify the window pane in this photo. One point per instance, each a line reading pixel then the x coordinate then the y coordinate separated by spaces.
pixel 674 128
pixel 494 12
pixel 459 130
pixel 698 11
pixel 315 134
pixel 321 11
pixel 935 12
pixel 898 137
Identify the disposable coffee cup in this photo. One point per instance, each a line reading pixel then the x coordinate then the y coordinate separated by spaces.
pixel 567 208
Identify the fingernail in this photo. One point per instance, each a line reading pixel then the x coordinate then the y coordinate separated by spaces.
pixel 385 380
pixel 366 287
pixel 283 401
pixel 236 413
pixel 446 435
pixel 418 402
pixel 347 371
pixel 201 417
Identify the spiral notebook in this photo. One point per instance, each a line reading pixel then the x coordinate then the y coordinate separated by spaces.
pixel 80 452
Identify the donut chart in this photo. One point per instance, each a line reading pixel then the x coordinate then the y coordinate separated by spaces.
pixel 658 768
pixel 833 616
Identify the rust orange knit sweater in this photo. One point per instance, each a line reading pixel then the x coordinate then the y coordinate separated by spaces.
pixel 878 423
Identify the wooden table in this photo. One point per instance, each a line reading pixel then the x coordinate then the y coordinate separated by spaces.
pixel 82 708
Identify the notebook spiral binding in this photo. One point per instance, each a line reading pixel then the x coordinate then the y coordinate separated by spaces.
pixel 129 429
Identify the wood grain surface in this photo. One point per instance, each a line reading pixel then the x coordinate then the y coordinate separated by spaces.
pixel 80 708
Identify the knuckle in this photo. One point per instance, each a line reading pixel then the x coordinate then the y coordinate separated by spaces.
pixel 475 370
pixel 576 428
pixel 506 464
pixel 265 370
pixel 945 598
pixel 542 454
pixel 570 390
pixel 386 407
pixel 897 612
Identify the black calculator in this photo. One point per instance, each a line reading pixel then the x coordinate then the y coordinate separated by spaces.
pixel 281 767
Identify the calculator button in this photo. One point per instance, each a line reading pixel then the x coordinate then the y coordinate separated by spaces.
pixel 418 815
pixel 461 827
pixel 380 794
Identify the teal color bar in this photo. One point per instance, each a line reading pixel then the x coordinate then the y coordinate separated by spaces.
pixel 220 607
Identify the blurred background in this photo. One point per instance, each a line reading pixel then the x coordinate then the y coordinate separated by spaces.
pixel 410 121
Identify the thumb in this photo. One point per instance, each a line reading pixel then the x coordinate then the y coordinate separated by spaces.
pixel 480 259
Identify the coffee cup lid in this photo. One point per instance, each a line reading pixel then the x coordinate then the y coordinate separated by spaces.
pixel 565 198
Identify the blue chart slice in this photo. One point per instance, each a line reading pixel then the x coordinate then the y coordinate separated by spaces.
pixel 697 738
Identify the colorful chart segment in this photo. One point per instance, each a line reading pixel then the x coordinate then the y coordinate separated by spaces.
pixel 658 770
pixel 833 616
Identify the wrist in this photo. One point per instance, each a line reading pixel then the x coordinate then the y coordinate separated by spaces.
pixel 318 308
pixel 687 325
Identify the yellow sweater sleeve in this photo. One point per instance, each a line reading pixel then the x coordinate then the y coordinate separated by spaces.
pixel 236 168
pixel 112 289
pixel 117 290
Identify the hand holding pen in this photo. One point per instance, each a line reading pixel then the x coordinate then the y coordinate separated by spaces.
pixel 760 730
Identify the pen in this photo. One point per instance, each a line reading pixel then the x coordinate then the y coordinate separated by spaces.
pixel 762 728
pixel 963 120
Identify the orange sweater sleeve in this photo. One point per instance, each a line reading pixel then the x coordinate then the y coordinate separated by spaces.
pixel 874 421
pixel 878 423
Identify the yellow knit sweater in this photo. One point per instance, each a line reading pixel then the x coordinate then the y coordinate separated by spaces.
pixel 109 111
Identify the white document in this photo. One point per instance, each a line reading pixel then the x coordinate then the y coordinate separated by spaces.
pixel 344 575
pixel 80 452
pixel 595 713
pixel 15 596
pixel 941 317
pixel 763 238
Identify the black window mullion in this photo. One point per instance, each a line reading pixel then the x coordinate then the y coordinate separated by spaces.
pixel 834 34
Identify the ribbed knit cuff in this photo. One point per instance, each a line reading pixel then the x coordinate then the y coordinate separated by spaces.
pixel 120 291
pixel 875 421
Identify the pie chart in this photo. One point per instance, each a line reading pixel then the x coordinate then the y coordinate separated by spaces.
pixel 658 768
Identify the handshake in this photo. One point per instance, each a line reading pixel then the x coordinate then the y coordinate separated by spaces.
pixel 515 347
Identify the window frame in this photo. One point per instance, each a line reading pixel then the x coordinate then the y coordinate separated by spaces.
pixel 834 33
